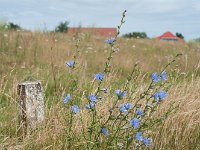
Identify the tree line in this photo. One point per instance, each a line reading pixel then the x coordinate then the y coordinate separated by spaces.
pixel 63 26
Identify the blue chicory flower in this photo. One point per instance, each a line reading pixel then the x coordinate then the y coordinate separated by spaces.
pixel 139 136
pixel 128 105
pixel 135 122
pixel 105 131
pixel 92 98
pixel 156 96
pixel 117 92
pixel 123 93
pixel 67 98
pixel 164 75
pixel 155 77
pixel 110 40
pixel 70 63
pixel 125 107
pixel 120 93
pixel 139 112
pixel 75 109
pixel 146 141
pixel 99 76
pixel 90 106
pixel 160 95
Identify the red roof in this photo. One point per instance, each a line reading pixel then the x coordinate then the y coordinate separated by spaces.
pixel 169 36
pixel 98 31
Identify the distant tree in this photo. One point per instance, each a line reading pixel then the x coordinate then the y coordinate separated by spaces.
pixel 179 35
pixel 13 26
pixel 9 26
pixel 135 35
pixel 62 27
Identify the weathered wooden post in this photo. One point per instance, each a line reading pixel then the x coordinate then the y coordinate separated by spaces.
pixel 31 104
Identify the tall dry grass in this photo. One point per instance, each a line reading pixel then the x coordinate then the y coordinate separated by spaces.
pixel 42 56
pixel 181 127
pixel 25 49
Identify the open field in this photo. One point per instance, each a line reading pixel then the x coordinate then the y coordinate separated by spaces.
pixel 42 56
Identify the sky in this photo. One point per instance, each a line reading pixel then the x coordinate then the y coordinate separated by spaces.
pixel 151 16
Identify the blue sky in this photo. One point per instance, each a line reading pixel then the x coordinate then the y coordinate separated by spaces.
pixel 151 16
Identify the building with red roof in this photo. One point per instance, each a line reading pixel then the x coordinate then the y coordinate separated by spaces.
pixel 168 36
pixel 96 31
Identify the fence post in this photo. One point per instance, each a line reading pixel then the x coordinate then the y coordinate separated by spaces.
pixel 31 104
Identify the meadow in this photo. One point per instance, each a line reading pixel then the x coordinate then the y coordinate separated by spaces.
pixel 42 56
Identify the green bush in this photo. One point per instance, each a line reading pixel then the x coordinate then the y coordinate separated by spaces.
pixel 9 26
pixel 135 35
pixel 179 35
pixel 62 27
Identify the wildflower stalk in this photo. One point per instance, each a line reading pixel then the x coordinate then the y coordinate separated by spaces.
pixel 112 51
pixel 117 130
pixel 169 111
pixel 129 78
pixel 77 49
pixel 69 139
pixel 125 116
pixel 147 100
pixel 172 61
pixel 119 126
pixel 105 71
